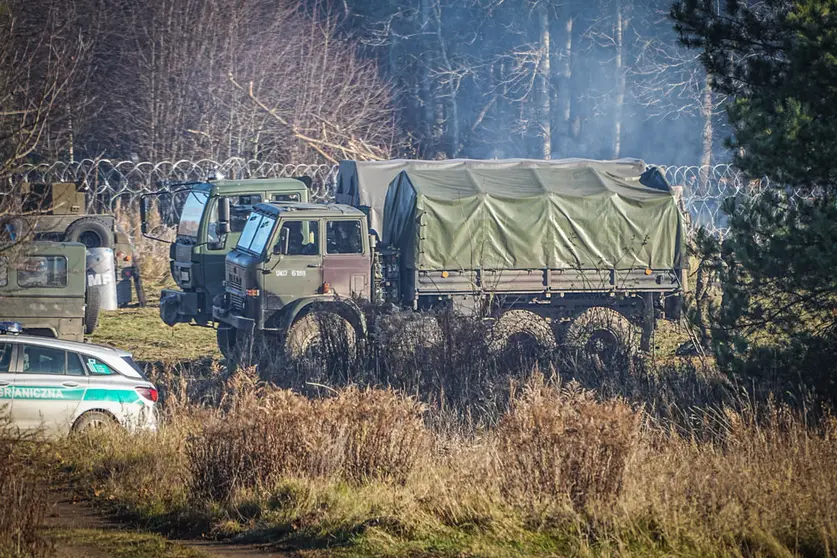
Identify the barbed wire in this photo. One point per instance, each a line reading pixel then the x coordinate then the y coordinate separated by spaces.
pixel 113 182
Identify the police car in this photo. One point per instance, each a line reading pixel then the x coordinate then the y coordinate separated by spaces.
pixel 59 386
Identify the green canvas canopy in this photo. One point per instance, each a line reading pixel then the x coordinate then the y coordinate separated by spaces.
pixel 525 218
pixel 365 183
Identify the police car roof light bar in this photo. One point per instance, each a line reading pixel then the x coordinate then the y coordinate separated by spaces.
pixel 10 328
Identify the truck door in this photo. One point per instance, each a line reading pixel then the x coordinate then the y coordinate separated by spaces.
pixel 346 263
pixel 299 271
pixel 48 387
pixel 217 247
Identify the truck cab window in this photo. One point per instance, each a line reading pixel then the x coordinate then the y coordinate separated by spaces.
pixel 303 238
pixel 344 237
pixel 240 208
pixel 42 271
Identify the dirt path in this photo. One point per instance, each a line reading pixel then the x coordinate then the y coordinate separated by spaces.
pixel 79 531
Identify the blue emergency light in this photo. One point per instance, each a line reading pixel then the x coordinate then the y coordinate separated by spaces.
pixel 10 328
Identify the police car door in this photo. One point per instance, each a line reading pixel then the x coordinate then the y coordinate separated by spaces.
pixel 48 387
pixel 6 379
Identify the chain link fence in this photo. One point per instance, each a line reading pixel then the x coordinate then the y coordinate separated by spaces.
pixel 122 182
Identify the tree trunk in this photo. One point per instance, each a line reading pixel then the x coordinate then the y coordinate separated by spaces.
pixel 619 101
pixel 564 97
pixel 545 110
pixel 706 137
pixel 453 87
pixel 426 84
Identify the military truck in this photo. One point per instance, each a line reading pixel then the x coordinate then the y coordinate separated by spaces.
pixel 58 212
pixel 212 216
pixel 43 287
pixel 575 252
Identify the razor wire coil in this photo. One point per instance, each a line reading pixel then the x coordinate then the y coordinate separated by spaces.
pixel 122 182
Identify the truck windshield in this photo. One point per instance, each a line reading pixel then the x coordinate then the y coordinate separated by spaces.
pixel 190 217
pixel 256 233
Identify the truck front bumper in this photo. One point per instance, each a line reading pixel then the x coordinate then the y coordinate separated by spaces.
pixel 179 307
pixel 226 316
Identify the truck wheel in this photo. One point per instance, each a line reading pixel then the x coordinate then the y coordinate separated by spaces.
pixel 521 327
pixel 321 335
pixel 406 332
pixel 90 231
pixel 91 310
pixel 227 336
pixel 603 332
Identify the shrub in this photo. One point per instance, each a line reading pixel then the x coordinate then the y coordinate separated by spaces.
pixel 560 442
pixel 268 434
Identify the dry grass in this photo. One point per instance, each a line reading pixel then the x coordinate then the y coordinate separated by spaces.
pixel 564 471
pixel 558 442
pixel 24 482
pixel 267 434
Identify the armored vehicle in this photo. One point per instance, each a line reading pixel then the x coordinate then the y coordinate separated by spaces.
pixel 575 253
pixel 58 212
pixel 43 287
pixel 212 217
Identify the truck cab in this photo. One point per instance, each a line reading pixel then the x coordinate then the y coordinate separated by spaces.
pixel 43 287
pixel 289 259
pixel 212 218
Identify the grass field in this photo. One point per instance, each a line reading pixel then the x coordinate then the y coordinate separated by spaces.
pixel 472 457
pixel 649 459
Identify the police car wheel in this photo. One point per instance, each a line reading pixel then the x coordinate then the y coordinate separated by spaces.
pixel 93 420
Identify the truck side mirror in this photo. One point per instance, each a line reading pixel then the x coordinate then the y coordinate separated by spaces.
pixel 224 216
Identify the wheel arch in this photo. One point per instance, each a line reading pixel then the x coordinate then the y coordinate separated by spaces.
pixel 97 409
pixel 342 306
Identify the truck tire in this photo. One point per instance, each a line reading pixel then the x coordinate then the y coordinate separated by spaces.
pixel 521 327
pixel 90 231
pixel 91 310
pixel 603 332
pixel 320 335
pixel 404 333
pixel 227 337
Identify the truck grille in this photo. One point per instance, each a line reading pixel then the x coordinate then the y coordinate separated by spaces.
pixel 236 301
pixel 233 278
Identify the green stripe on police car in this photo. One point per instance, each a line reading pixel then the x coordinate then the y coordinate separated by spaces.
pixel 69 394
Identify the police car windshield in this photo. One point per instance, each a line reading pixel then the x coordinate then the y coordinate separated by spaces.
pixel 256 233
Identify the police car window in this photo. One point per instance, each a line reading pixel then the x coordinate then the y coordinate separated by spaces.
pixel 4 271
pixel 74 366
pixel 344 237
pixel 5 357
pixel 44 360
pixel 97 367
pixel 42 271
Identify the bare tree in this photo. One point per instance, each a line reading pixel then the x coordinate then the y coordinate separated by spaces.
pixel 39 60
